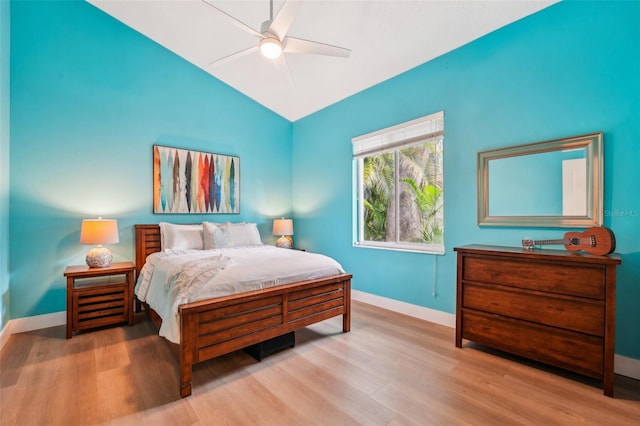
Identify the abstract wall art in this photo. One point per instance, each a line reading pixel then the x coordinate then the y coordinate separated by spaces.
pixel 195 182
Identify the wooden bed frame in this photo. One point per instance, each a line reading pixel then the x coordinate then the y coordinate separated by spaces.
pixel 217 326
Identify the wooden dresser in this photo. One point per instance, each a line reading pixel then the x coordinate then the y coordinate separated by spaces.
pixel 551 306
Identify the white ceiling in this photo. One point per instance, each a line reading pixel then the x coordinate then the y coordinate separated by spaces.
pixel 386 38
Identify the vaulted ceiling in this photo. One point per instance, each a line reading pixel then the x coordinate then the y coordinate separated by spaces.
pixel 386 38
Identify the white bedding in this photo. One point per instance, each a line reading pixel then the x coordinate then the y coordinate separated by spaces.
pixel 174 277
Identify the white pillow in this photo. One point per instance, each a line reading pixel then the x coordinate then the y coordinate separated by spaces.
pixel 174 236
pixel 214 236
pixel 242 234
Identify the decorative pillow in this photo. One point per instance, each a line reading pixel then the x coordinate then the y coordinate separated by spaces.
pixel 242 234
pixel 214 236
pixel 174 236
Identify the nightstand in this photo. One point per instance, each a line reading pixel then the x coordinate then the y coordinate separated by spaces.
pixel 97 297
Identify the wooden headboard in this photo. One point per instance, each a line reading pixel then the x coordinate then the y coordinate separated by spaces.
pixel 147 242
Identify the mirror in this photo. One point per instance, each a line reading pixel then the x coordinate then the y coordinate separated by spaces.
pixel 555 183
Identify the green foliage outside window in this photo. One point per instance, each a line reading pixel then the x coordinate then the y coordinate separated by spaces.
pixel 403 195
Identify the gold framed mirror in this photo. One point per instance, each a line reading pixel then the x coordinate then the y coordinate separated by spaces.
pixel 556 183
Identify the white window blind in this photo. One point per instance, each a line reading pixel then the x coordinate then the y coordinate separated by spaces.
pixel 416 131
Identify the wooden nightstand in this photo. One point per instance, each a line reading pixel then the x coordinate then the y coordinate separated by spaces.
pixel 98 297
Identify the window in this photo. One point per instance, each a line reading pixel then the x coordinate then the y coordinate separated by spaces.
pixel 398 186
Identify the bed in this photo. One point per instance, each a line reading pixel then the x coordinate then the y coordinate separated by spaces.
pixel 220 325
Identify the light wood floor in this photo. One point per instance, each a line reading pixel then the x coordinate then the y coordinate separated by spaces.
pixel 389 370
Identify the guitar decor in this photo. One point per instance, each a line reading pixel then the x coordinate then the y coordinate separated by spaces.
pixel 597 240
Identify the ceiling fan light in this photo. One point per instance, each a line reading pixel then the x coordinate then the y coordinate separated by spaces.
pixel 270 47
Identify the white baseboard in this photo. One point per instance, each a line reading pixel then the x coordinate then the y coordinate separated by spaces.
pixel 405 308
pixel 625 366
pixel 21 325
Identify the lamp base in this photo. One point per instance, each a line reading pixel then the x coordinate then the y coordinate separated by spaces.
pixel 284 242
pixel 99 257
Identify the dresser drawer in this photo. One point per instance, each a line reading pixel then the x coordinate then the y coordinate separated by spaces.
pixel 561 348
pixel 576 280
pixel 582 315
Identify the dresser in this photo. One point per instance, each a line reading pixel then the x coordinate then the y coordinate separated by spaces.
pixel 552 306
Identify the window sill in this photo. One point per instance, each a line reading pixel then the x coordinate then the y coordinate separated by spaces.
pixel 436 250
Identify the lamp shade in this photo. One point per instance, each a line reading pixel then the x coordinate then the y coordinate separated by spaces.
pixel 283 227
pixel 99 231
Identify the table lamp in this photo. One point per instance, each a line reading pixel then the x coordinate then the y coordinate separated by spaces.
pixel 99 231
pixel 284 228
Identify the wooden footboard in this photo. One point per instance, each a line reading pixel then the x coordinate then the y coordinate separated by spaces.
pixel 218 326
pixel 214 327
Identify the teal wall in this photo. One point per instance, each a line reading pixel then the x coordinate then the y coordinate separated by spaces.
pixel 5 36
pixel 89 98
pixel 568 70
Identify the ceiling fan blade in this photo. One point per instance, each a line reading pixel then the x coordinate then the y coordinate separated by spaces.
pixel 283 66
pixel 233 56
pixel 298 45
pixel 233 21
pixel 284 18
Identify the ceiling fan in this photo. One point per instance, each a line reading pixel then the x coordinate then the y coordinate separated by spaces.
pixel 273 36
